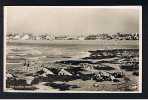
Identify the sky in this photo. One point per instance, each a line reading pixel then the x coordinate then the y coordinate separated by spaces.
pixel 71 20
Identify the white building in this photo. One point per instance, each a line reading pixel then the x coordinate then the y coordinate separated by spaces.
pixel 25 37
pixel 16 37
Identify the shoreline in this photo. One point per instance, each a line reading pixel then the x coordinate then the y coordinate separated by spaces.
pixel 74 42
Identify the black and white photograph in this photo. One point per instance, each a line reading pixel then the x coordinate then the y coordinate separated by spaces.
pixel 73 49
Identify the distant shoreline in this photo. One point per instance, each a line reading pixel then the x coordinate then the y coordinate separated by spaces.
pixel 69 42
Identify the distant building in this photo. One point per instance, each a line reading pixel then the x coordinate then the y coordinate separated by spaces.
pixel 81 38
pixel 17 37
pixel 60 37
pixel 92 37
pixel 25 37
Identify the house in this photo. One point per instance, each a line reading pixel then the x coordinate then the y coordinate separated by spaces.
pixel 49 37
pixel 25 37
pixel 60 37
pixel 72 38
pixel 92 37
pixel 81 38
pixel 17 37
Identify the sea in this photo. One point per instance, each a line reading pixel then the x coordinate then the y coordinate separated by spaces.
pixel 56 50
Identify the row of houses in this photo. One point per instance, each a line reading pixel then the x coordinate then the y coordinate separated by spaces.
pixel 118 36
pixel 28 36
pixel 103 36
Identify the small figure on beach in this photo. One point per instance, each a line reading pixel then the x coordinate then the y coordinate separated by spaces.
pixel 27 64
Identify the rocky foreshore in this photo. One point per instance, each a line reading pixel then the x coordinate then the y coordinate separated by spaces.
pixel 117 66
pixel 102 54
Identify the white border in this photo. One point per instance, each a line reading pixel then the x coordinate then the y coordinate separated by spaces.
pixel 4 52
pixel 140 49
pixel 110 7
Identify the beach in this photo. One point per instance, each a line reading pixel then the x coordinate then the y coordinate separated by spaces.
pixel 82 61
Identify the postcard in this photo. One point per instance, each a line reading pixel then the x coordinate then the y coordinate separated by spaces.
pixel 73 49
